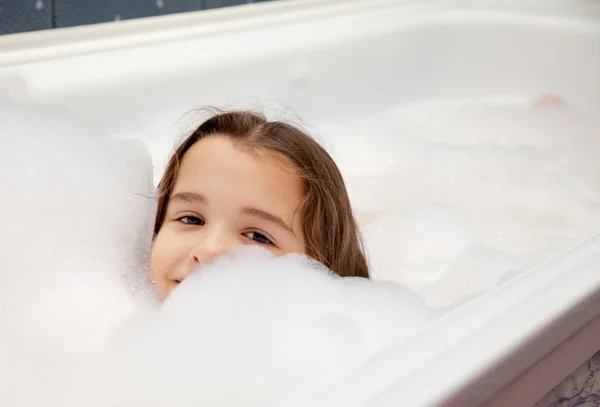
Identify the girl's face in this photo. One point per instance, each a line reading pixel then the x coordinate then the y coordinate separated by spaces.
pixel 225 196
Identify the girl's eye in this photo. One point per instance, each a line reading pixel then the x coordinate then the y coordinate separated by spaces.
pixel 191 220
pixel 258 238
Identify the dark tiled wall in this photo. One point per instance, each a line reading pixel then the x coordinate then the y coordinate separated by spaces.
pixel 25 15
pixel 30 15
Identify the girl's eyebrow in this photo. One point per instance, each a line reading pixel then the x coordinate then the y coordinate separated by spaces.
pixel 190 197
pixel 259 213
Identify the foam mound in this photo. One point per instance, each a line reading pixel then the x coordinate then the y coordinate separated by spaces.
pixel 80 325
pixel 74 245
pixel 253 330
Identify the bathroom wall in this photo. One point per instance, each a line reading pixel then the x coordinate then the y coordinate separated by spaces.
pixel 30 15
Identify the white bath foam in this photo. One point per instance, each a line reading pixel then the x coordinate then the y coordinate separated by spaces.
pixel 78 221
pixel 160 134
pixel 418 246
pixel 475 270
pixel 76 234
pixel 254 330
pixel 433 251
pixel 523 175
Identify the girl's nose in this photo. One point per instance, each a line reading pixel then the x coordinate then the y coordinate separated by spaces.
pixel 211 244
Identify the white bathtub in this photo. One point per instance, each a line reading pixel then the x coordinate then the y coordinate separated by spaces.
pixel 507 347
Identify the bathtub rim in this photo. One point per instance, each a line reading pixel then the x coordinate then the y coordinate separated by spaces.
pixel 26 47
pixel 55 43
pixel 490 363
pixel 46 71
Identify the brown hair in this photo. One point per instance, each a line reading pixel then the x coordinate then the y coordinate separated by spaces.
pixel 330 230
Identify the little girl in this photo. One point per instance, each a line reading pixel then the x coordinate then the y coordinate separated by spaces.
pixel 239 179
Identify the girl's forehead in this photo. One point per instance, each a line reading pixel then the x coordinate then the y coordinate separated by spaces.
pixel 218 163
pixel 221 153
